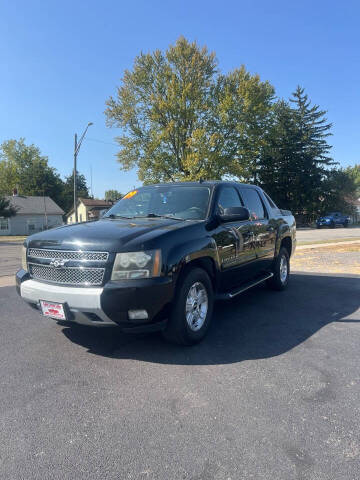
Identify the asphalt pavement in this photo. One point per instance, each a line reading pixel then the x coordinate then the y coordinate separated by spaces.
pixel 10 257
pixel 327 234
pixel 272 393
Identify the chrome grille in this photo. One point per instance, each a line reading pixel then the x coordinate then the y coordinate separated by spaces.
pixel 68 255
pixel 67 275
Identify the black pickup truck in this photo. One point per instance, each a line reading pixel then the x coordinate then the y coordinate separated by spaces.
pixel 159 258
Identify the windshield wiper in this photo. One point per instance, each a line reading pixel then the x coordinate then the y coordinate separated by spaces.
pixel 155 215
pixel 117 216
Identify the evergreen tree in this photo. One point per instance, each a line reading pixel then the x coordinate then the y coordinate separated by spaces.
pixel 295 160
pixel 277 166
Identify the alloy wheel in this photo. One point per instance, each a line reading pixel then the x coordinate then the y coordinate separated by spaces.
pixel 196 306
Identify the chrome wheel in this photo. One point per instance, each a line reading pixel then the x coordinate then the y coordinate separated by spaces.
pixel 196 306
pixel 283 269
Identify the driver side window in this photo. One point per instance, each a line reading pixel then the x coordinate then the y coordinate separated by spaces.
pixel 137 204
pixel 228 197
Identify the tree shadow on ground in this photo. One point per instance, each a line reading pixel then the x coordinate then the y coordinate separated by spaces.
pixel 258 324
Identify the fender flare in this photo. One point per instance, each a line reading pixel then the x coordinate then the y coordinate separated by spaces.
pixel 194 252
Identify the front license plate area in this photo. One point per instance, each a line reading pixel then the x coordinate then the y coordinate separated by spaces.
pixel 53 310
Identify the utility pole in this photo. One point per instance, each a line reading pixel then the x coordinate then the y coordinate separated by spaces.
pixel 91 190
pixel 77 146
pixel 75 167
pixel 45 213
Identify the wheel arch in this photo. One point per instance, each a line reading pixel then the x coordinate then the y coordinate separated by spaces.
pixel 205 263
pixel 286 242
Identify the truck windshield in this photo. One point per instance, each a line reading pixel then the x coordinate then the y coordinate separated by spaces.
pixel 179 202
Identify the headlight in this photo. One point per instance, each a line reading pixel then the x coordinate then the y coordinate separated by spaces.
pixel 23 258
pixel 137 265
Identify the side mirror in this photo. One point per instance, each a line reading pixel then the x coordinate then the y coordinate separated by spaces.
pixel 102 212
pixel 234 214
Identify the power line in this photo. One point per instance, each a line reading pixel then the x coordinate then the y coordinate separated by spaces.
pixel 101 141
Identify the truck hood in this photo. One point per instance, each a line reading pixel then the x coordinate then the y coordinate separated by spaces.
pixel 111 235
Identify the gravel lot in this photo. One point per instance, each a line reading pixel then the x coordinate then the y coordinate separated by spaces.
pixel 331 259
pixel 273 392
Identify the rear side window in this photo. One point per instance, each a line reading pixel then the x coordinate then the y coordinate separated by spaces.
pixel 228 197
pixel 253 203
pixel 271 203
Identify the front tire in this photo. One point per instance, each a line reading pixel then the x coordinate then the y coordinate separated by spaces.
pixel 281 271
pixel 192 309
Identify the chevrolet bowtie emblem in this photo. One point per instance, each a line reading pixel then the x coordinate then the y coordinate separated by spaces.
pixel 58 263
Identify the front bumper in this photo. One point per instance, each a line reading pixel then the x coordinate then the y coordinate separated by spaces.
pixel 105 306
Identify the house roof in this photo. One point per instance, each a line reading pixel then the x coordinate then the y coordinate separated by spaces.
pixel 94 202
pixel 26 205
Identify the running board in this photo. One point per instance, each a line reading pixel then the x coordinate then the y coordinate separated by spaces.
pixel 234 293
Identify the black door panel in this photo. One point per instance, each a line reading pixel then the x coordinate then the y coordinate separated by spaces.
pixel 265 239
pixel 236 249
pixel 235 242
pixel 264 229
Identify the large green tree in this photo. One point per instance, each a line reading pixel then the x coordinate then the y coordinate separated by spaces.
pixel 354 173
pixel 113 195
pixel 295 161
pixel 22 167
pixel 338 192
pixel 182 120
pixel 243 117
pixel 6 209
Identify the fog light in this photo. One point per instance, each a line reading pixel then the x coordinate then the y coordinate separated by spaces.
pixel 138 314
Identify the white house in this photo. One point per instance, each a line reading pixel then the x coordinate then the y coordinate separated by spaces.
pixel 33 215
pixel 88 209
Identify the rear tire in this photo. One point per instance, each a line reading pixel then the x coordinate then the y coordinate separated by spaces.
pixel 346 224
pixel 281 271
pixel 192 309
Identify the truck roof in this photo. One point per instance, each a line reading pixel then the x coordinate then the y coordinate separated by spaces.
pixel 209 183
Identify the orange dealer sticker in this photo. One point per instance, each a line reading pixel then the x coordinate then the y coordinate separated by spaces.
pixel 130 194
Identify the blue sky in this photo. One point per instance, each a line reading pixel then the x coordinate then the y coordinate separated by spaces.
pixel 60 61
